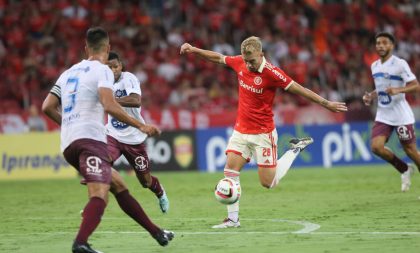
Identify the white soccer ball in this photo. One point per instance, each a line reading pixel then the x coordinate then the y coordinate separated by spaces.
pixel 227 191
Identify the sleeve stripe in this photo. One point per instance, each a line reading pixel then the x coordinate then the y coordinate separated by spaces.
pixel 288 86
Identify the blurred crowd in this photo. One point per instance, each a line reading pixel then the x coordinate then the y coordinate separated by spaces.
pixel 324 45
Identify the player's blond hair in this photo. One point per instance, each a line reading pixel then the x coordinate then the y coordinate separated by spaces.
pixel 251 45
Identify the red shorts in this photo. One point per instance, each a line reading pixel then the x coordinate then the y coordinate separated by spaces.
pixel 91 159
pixel 136 154
pixel 406 133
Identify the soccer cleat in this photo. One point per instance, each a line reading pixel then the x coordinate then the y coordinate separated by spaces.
pixel 228 223
pixel 163 237
pixel 300 143
pixel 406 178
pixel 83 248
pixel 164 203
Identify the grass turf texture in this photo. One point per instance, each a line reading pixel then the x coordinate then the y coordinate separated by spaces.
pixel 359 209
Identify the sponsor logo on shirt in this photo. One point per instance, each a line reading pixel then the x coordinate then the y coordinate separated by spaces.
pixel 118 124
pixel 120 93
pixel 250 88
pixel 384 98
pixel 279 75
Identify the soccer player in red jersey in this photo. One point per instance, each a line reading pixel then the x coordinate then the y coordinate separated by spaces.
pixel 255 132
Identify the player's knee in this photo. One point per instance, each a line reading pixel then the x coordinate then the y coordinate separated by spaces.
pixel 117 186
pixel 376 149
pixel 266 184
pixel 411 152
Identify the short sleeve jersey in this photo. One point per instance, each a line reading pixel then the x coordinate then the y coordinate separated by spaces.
pixel 82 112
pixel 256 95
pixel 126 85
pixel 392 110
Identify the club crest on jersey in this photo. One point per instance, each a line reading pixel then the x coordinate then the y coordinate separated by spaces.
pixel 257 80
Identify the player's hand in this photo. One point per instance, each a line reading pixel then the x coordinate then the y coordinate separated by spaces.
pixel 392 91
pixel 336 106
pixel 186 48
pixel 150 130
pixel 367 98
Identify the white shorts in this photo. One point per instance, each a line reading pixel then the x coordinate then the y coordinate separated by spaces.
pixel 262 146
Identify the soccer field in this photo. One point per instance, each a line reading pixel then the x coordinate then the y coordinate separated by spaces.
pixel 351 209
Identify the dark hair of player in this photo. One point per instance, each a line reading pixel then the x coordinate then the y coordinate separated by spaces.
pixel 386 35
pixel 113 55
pixel 96 38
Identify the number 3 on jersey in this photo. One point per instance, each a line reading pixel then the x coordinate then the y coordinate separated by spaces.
pixel 71 91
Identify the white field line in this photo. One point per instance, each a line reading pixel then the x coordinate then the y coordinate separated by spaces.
pixel 308 228
pixel 230 232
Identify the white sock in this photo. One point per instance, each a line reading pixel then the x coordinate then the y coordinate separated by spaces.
pixel 284 164
pixel 233 210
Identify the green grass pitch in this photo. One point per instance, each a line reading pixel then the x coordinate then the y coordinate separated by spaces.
pixel 346 209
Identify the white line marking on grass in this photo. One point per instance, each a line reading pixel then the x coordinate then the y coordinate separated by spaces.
pixel 230 232
pixel 308 228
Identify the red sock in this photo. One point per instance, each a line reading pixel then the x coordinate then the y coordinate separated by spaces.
pixel 91 218
pixel 399 164
pixel 133 209
pixel 155 187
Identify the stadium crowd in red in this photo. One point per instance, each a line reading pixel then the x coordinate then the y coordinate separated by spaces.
pixel 327 46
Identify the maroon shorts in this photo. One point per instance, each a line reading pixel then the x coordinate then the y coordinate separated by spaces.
pixel 406 133
pixel 91 159
pixel 136 154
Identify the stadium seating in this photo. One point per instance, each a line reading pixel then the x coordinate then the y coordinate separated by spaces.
pixel 326 45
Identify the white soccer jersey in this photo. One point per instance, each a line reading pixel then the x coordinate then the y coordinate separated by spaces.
pixel 392 110
pixel 126 85
pixel 82 113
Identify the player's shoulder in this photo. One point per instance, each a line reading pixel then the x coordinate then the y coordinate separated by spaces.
pixel 397 60
pixel 234 59
pixel 129 75
pixel 375 64
pixel 272 70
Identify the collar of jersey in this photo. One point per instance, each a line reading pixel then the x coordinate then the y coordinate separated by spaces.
pixel 119 79
pixel 261 68
pixel 389 60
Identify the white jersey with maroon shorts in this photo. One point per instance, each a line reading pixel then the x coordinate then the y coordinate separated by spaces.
pixel 127 84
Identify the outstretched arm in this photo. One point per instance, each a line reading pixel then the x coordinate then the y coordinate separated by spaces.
pixel 312 96
pixel 208 55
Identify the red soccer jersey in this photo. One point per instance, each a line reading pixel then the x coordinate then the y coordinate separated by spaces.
pixel 256 95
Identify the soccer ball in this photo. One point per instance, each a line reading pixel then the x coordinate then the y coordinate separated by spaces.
pixel 227 191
